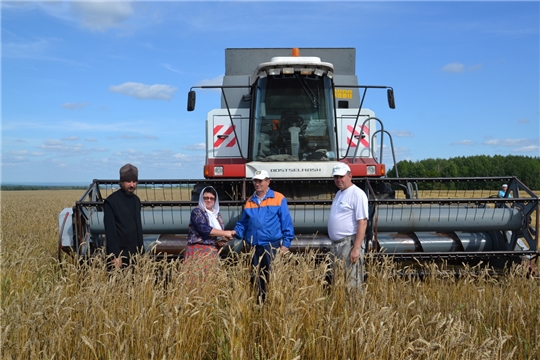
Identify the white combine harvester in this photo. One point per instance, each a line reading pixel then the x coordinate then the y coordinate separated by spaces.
pixel 296 117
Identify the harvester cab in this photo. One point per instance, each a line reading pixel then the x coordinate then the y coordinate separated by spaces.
pixel 293 116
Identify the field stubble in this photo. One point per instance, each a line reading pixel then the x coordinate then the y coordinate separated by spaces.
pixel 156 311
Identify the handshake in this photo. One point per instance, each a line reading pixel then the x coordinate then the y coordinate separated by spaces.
pixel 225 235
pixel 229 234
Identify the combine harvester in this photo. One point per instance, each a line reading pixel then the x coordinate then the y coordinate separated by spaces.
pixel 296 117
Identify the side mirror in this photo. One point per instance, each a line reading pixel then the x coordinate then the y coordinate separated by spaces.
pixel 390 96
pixel 191 100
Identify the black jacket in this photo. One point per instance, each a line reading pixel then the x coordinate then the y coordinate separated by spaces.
pixel 123 227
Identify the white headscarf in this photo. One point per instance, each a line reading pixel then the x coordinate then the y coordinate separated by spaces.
pixel 212 214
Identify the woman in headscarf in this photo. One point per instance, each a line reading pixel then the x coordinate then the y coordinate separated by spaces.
pixel 206 230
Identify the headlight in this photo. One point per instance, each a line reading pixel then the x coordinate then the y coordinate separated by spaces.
pixel 218 170
pixel 288 70
pixel 371 170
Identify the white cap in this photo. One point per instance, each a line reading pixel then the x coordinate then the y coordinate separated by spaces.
pixel 504 185
pixel 340 169
pixel 260 175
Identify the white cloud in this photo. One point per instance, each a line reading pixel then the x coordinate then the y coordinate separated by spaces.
pixel 71 138
pixel 401 133
pixel 52 143
pixel 528 149
pixel 59 146
pixel 96 126
pixel 173 69
pixel 133 137
pixel 523 145
pixel 159 159
pixel 212 82
pixel 454 68
pixel 401 153
pixel 43 49
pixel 74 106
pixel 457 68
pixel 474 67
pixel 180 156
pixel 22 153
pixel 101 15
pixel 507 142
pixel 142 91
pixel 463 142
pixel 35 49
pixel 198 146
pixel 129 136
pixel 19 152
pixel 95 15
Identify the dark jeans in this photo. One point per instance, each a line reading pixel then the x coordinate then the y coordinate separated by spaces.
pixel 262 259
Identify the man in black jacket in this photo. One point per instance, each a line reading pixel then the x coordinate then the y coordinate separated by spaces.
pixel 122 217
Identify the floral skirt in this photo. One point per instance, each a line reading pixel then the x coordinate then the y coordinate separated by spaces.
pixel 200 263
pixel 200 251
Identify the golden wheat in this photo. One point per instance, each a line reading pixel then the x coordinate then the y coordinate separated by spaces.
pixel 156 311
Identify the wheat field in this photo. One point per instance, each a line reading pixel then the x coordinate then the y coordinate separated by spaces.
pixel 52 310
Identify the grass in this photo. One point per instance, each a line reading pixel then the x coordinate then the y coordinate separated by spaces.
pixel 156 310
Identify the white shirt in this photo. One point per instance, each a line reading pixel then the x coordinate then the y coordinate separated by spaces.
pixel 349 206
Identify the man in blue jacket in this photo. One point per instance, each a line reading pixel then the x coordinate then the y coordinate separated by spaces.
pixel 266 225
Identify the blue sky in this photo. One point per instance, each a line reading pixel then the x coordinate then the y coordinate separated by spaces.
pixel 90 86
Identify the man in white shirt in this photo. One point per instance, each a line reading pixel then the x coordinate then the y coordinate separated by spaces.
pixel 347 224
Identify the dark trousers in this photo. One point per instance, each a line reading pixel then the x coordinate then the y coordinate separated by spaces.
pixel 262 259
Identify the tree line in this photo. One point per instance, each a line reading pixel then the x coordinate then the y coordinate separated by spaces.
pixel 525 168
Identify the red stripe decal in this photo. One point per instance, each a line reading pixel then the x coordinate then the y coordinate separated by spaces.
pixel 355 132
pixel 217 128
pixel 220 141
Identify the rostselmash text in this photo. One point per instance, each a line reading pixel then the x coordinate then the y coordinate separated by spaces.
pixel 295 170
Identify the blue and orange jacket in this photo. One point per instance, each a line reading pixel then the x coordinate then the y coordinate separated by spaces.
pixel 267 223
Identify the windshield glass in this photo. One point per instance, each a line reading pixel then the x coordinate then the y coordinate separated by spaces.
pixel 293 119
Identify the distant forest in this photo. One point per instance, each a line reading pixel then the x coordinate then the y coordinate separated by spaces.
pixel 525 168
